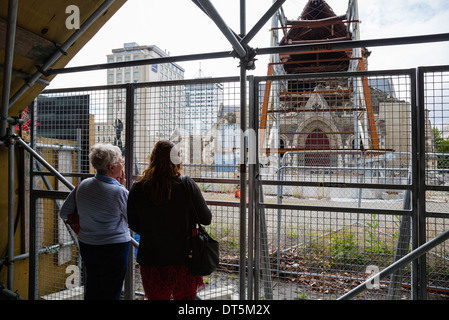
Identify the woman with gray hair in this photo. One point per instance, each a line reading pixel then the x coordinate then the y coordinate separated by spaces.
pixel 104 236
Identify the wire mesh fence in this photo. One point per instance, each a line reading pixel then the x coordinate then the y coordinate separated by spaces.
pixel 336 161
pixel 340 142
pixel 436 96
pixel 340 131
pixel 202 118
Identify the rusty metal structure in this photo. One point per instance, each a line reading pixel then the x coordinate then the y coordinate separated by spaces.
pixel 319 24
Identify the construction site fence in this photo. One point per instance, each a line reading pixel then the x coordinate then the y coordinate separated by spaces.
pixel 294 221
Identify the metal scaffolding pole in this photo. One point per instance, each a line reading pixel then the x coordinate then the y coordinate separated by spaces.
pixel 7 71
pixel 38 157
pixel 350 44
pixel 243 215
pixel 10 264
pixel 221 24
pixel 262 21
pixel 415 254
pixel 260 51
pixel 61 51
pixel 246 54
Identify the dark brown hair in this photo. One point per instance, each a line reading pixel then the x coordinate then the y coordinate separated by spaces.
pixel 164 168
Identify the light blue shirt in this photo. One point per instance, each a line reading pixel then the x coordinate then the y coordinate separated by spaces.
pixel 102 206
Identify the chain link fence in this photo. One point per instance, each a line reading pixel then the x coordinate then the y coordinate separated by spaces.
pixel 333 200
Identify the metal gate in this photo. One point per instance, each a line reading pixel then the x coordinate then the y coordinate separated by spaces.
pixel 331 214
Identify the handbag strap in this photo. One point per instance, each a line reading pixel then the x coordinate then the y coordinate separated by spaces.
pixel 197 221
pixel 74 191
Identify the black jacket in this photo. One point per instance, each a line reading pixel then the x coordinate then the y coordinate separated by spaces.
pixel 163 228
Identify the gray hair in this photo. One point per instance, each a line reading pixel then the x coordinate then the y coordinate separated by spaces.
pixel 102 155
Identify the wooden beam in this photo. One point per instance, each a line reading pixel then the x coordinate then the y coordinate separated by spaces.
pixel 325 49
pixel 28 44
pixel 315 61
pixel 304 133
pixel 316 110
pixel 324 92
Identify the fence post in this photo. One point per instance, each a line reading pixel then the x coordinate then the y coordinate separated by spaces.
pixel 251 190
pixel 421 184
pixel 129 161
pixel 33 233
pixel 243 144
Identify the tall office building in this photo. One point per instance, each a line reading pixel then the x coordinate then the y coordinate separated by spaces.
pixel 157 111
pixel 203 101
pixel 132 51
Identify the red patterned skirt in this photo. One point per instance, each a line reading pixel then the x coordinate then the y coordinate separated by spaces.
pixel 170 283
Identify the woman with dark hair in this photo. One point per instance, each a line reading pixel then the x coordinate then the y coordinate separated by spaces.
pixel 158 210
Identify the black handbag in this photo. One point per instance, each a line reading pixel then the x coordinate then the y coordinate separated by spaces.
pixel 202 250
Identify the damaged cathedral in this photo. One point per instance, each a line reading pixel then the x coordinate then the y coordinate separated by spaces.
pixel 326 114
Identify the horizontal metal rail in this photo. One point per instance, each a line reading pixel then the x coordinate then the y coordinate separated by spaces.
pixel 48 250
pixel 350 44
pixel 397 265
pixel 331 184
pixel 138 85
pixel 335 209
pixel 39 158
pixel 339 74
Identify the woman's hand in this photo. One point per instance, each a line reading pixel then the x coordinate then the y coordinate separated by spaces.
pixel 122 178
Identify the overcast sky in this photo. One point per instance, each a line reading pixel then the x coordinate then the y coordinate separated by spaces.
pixel 180 27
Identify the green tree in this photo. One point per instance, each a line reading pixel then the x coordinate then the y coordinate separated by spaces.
pixel 441 146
